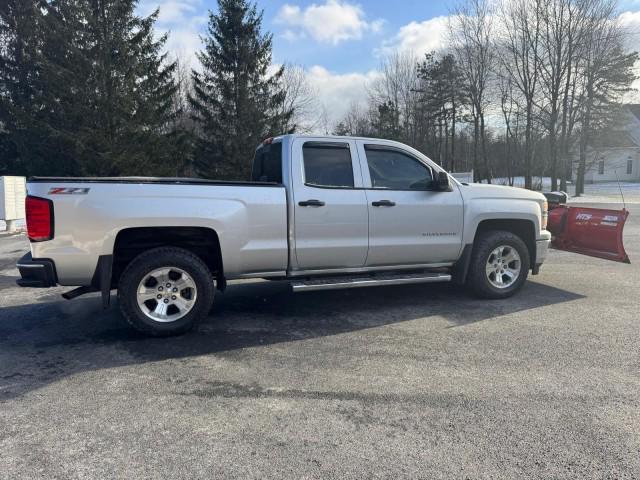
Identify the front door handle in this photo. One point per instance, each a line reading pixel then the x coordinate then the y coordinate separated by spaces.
pixel 311 203
pixel 383 203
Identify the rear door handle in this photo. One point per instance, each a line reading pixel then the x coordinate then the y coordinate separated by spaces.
pixel 311 203
pixel 383 203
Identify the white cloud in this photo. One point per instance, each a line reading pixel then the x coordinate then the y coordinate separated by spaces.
pixel 184 20
pixel 172 11
pixel 338 91
pixel 418 37
pixel 630 21
pixel 332 22
pixel 184 44
pixel 376 25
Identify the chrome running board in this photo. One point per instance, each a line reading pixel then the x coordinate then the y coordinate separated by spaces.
pixel 332 283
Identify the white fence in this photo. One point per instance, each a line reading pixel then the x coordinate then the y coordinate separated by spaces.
pixel 464 177
pixel 12 194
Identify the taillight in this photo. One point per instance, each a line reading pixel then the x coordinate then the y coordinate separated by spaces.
pixel 39 218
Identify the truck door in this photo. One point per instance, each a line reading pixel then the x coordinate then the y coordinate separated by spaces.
pixel 409 224
pixel 330 206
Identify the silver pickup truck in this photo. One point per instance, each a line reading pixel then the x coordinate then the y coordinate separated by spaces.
pixel 323 212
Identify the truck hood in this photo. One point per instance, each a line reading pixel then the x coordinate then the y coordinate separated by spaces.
pixel 475 191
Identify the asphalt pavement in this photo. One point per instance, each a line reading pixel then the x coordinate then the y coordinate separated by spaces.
pixel 387 382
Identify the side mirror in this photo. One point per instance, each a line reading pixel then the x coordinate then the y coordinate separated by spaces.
pixel 441 183
pixel 556 198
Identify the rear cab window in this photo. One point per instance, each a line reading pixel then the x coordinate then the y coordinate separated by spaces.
pixel 327 165
pixel 267 163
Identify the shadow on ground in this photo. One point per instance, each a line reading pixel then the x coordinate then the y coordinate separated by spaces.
pixel 43 342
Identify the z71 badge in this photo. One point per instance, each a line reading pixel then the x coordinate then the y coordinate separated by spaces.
pixel 68 191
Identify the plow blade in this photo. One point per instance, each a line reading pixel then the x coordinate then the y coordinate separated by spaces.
pixel 596 232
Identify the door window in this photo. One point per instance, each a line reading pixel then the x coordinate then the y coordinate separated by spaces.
pixel 393 170
pixel 327 165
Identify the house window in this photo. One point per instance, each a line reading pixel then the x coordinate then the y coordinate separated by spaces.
pixel 629 167
pixel 601 167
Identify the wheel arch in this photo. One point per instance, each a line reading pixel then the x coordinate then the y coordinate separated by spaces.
pixel 201 241
pixel 525 229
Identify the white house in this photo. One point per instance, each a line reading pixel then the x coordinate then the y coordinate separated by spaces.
pixel 615 154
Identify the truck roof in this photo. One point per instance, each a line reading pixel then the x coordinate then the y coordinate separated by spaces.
pixel 293 136
pixel 332 137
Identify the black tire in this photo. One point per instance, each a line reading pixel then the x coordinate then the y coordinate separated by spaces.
pixel 146 263
pixel 477 280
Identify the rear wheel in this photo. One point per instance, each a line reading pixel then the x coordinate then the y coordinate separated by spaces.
pixel 165 291
pixel 499 265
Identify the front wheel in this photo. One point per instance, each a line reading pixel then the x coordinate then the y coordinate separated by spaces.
pixel 499 265
pixel 165 291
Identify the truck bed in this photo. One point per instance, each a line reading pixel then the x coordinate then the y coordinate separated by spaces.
pixel 151 180
pixel 248 218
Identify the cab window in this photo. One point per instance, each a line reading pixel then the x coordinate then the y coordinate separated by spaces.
pixel 267 163
pixel 392 169
pixel 327 165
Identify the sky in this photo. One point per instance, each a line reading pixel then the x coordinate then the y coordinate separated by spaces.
pixel 340 43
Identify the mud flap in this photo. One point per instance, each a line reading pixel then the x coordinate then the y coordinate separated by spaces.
pixel 596 232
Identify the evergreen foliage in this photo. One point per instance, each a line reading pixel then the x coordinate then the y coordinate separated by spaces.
pixel 236 102
pixel 85 89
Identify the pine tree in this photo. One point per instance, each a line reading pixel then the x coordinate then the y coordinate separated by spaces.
pixel 23 133
pixel 441 98
pixel 386 121
pixel 235 101
pixel 103 92
pixel 121 85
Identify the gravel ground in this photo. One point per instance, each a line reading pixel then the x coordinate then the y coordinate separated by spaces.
pixel 402 382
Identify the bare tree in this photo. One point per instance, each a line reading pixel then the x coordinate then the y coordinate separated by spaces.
pixel 324 123
pixel 522 24
pixel 540 78
pixel 396 86
pixel 301 98
pixel 575 32
pixel 560 20
pixel 356 121
pixel 182 126
pixel 471 34
pixel 606 75
pixel 510 115
pixel 182 76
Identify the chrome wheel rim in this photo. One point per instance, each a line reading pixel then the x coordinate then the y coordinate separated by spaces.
pixel 503 266
pixel 166 294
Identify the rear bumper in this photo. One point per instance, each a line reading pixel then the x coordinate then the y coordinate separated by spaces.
pixel 36 272
pixel 542 249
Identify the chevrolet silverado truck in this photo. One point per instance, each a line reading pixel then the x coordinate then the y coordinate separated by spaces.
pixel 321 212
